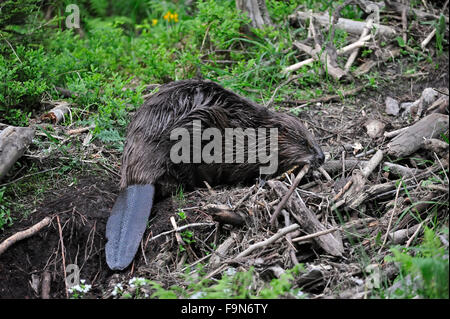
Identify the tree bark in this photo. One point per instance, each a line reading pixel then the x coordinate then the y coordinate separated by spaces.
pixel 256 11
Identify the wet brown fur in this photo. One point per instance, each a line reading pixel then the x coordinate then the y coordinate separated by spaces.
pixel 146 157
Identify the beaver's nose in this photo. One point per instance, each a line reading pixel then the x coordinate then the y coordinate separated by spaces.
pixel 320 157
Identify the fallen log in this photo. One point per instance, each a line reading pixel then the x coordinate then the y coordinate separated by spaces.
pixel 351 26
pixel 13 142
pixel 412 139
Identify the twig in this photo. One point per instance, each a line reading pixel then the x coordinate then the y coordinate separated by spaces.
pixel 80 130
pixel 29 175
pixel 354 54
pixel 404 25
pixel 392 215
pixel 394 133
pixel 327 98
pixel 45 286
pixel 408 243
pixel 294 185
pixel 178 229
pixel 63 255
pixel 14 51
pixel 272 98
pixel 280 233
pixel 325 173
pixel 24 234
pixel 428 39
pixel 344 50
pixel 320 233
pixel 343 190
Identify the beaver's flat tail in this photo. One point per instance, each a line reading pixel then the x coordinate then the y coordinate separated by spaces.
pixel 126 224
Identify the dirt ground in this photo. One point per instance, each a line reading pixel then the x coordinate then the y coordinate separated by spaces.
pixel 81 211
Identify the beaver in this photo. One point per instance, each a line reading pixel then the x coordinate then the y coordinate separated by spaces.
pixel 151 166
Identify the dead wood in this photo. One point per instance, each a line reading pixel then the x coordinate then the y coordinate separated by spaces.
pixel 327 98
pixel 437 146
pixel 286 197
pixel 45 287
pixel 13 143
pixel 351 26
pixel 400 170
pixel 385 54
pixel 376 190
pixel 256 11
pixel 57 113
pixel 224 215
pixel 422 15
pixel 354 54
pixel 401 236
pixel 24 234
pixel 412 139
pixel 280 233
pixel 308 220
pixel 359 177
pixel 222 250
pixel 328 63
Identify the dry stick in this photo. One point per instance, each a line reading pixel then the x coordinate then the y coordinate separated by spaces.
pixel 45 286
pixel 272 98
pixel 80 130
pixel 428 39
pixel 320 233
pixel 343 190
pixel 325 173
pixel 291 248
pixel 343 163
pixel 354 54
pixel 370 166
pixel 24 234
pixel 294 185
pixel 176 229
pixel 392 216
pixel 14 51
pixel 180 229
pixel 395 133
pixel 280 233
pixel 408 243
pixel 63 255
pixel 404 25
pixel 321 55
pixel 327 98
pixel 344 50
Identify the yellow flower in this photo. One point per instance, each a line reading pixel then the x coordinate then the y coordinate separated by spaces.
pixel 154 22
pixel 167 16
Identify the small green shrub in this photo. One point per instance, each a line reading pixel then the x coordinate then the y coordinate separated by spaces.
pixel 5 214
pixel 425 266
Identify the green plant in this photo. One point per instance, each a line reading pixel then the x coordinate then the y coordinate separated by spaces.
pixel 283 285
pixel 440 34
pixel 424 270
pixel 5 214
pixel 233 284
pixel 79 291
